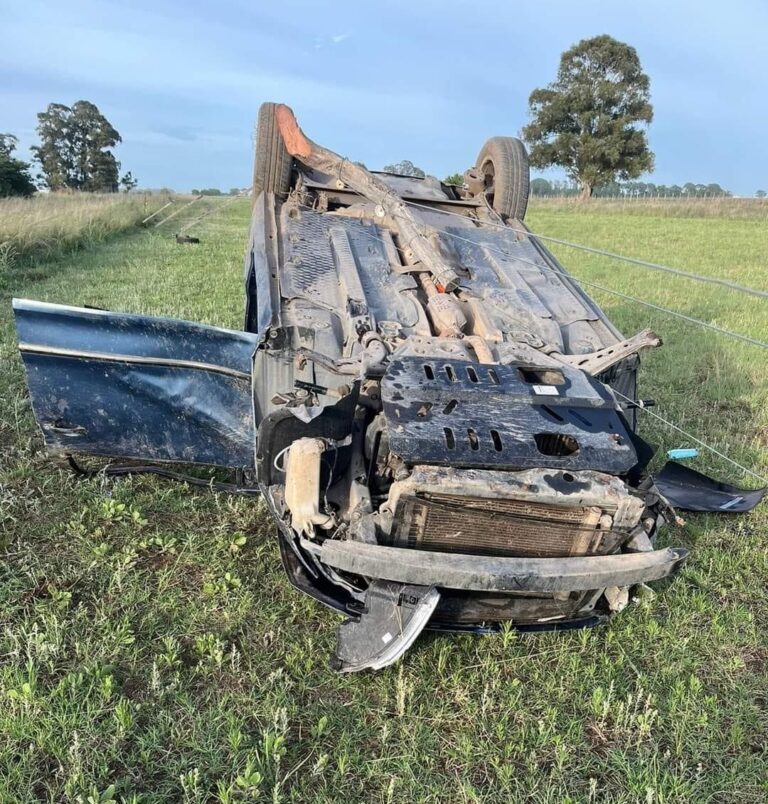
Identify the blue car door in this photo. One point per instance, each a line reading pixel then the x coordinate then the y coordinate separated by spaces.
pixel 135 386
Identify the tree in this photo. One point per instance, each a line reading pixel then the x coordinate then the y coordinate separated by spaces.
pixel 590 119
pixel 760 194
pixel 457 179
pixel 714 190
pixel 540 187
pixel 74 148
pixel 128 183
pixel 405 168
pixel 608 190
pixel 14 174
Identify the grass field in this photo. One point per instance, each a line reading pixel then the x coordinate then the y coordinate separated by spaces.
pixel 51 224
pixel 725 207
pixel 151 649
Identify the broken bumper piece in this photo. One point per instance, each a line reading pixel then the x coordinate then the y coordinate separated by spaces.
pixel 497 574
pixel 689 490
pixel 404 590
pixel 394 615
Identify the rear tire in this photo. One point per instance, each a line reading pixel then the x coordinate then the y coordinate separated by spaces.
pixel 272 163
pixel 503 164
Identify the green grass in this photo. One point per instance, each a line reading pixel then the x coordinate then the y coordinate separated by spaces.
pixel 746 208
pixel 152 650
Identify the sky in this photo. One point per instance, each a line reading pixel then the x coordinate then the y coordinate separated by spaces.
pixel 425 80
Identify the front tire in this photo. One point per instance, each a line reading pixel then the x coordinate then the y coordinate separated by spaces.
pixel 503 165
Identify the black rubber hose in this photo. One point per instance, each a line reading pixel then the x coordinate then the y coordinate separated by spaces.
pixel 160 471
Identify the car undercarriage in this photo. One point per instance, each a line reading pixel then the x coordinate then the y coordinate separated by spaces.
pixel 440 420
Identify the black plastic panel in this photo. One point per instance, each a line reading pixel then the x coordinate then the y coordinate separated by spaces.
pixel 455 413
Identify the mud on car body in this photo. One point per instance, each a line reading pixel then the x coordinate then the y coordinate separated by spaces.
pixel 434 411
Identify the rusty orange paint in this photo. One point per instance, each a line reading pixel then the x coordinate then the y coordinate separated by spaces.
pixel 295 141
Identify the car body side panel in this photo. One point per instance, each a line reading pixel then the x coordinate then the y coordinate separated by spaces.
pixel 139 387
pixel 262 294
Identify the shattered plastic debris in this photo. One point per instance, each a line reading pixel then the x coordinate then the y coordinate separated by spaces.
pixel 690 490
pixel 682 454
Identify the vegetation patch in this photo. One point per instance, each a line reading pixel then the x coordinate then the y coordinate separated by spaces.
pixel 153 650
pixel 46 225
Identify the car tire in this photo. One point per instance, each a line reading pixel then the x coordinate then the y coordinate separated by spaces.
pixel 272 163
pixel 503 164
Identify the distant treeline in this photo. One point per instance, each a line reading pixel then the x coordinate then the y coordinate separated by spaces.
pixel 216 191
pixel 630 189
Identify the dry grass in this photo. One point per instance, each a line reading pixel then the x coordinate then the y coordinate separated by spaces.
pixel 739 208
pixel 47 224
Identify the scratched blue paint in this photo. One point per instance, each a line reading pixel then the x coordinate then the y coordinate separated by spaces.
pixel 106 406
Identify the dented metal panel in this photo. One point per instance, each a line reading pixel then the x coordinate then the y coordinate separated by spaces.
pixel 262 294
pixel 138 387
pixel 450 412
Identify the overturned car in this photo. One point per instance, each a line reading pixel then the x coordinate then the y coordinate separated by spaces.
pixel 440 420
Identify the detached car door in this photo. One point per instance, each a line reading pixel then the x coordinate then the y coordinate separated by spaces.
pixel 135 386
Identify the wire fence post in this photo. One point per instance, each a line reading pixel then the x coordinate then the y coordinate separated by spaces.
pixel 180 209
pixel 149 217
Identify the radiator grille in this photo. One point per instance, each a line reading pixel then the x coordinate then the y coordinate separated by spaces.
pixel 454 524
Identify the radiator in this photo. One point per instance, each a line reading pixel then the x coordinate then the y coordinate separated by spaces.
pixel 497 527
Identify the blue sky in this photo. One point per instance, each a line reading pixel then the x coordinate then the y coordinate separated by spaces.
pixel 422 80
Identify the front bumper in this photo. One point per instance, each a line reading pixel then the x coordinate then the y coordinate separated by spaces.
pixel 497 574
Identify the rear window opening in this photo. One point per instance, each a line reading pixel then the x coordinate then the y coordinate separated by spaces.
pixel 540 376
pixel 556 444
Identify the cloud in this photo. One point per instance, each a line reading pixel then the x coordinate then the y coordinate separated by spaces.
pixel 324 41
pixel 145 64
pixel 183 83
